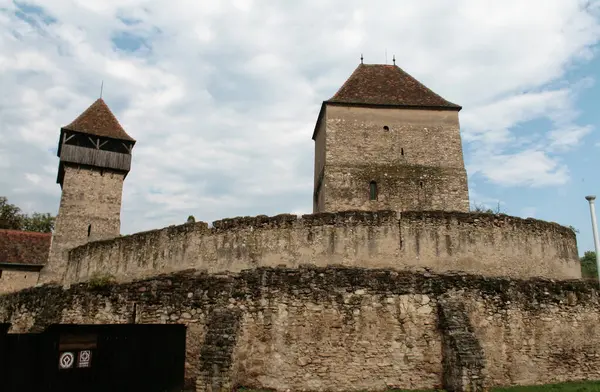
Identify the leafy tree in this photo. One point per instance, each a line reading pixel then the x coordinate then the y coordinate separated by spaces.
pixel 588 265
pixel 44 223
pixel 191 219
pixel 10 215
pixel 12 218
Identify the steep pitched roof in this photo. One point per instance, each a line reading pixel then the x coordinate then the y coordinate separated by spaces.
pixel 24 247
pixel 98 120
pixel 378 84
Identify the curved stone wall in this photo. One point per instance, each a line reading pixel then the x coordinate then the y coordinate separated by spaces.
pixel 345 329
pixel 487 244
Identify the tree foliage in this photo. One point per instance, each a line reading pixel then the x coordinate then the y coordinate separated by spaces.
pixel 12 218
pixel 589 268
pixel 42 222
pixel 10 215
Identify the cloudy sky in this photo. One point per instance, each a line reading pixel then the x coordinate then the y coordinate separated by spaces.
pixel 222 96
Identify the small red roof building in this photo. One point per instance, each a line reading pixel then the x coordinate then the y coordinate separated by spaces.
pixel 24 248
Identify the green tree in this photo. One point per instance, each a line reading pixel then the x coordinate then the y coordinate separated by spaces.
pixel 588 265
pixel 10 215
pixel 191 219
pixel 11 218
pixel 43 223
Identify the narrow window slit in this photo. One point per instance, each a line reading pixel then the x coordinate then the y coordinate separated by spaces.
pixel 373 190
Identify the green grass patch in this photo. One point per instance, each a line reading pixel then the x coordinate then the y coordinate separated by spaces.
pixel 583 386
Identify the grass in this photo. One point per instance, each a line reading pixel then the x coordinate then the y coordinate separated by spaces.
pixel 583 386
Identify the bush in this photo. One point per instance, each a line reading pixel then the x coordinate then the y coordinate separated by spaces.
pixel 101 279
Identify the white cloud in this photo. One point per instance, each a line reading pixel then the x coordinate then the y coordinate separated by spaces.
pixel 528 167
pixel 567 138
pixel 222 96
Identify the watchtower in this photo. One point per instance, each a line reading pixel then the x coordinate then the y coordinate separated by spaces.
pixel 95 157
pixel 385 141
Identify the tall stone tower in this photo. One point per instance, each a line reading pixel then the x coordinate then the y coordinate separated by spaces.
pixel 385 141
pixel 95 157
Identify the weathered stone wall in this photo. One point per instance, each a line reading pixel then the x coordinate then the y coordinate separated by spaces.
pixel 441 241
pixel 319 185
pixel 13 280
pixel 90 210
pixel 416 160
pixel 347 329
pixel 548 335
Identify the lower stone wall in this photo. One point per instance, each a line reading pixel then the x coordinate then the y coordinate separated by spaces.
pixel 359 342
pixel 346 329
pixel 552 335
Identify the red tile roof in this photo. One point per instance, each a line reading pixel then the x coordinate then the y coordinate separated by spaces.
pixel 378 84
pixel 24 247
pixel 98 120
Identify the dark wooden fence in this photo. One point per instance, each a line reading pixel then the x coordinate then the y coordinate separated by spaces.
pixel 94 358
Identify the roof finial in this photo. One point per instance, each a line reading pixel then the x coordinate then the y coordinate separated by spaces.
pixel 394 59
pixel 361 58
pixel 101 88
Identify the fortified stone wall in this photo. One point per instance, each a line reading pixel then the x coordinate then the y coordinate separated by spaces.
pixel 13 280
pixel 414 156
pixel 347 329
pixel 493 245
pixel 90 210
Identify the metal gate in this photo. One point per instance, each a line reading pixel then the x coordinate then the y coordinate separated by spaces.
pixel 76 358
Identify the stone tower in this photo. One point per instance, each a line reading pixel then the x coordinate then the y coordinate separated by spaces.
pixel 385 141
pixel 95 157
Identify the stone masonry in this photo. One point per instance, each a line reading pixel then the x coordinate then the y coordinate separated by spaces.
pixel 346 329
pixel 486 244
pixel 90 210
pixel 416 161
pixel 15 280
pixel 385 141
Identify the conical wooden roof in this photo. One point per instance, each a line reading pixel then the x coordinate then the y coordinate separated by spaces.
pixel 98 120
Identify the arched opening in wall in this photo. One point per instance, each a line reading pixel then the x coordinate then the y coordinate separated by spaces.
pixel 89 230
pixel 373 190
pixel 386 128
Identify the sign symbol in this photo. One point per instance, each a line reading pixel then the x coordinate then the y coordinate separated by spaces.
pixel 85 358
pixel 66 360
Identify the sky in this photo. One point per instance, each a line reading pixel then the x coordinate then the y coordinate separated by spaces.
pixel 222 97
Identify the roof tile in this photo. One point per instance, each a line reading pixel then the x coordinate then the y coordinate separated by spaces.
pixel 24 247
pixel 98 120
pixel 379 84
